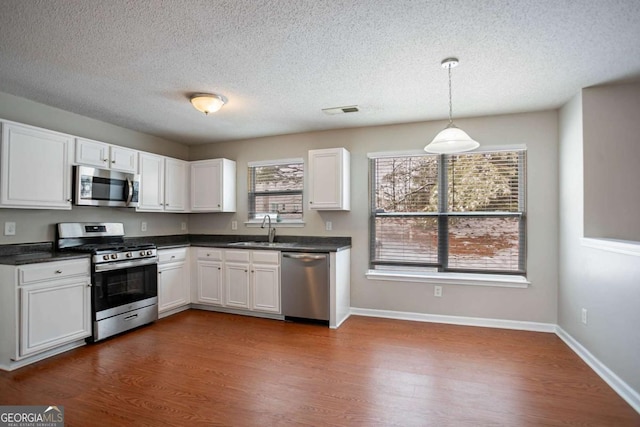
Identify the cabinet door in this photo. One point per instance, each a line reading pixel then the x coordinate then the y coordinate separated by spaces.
pixel 151 182
pixel 265 286
pixel 206 186
pixel 329 179
pixel 175 195
pixel 236 285
pixel 123 159
pixel 92 153
pixel 35 168
pixel 54 314
pixel 173 289
pixel 209 276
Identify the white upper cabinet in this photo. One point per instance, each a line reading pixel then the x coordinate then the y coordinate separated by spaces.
pixel 35 168
pixel 213 185
pixel 329 179
pixel 164 185
pixel 176 185
pixel 151 197
pixel 106 156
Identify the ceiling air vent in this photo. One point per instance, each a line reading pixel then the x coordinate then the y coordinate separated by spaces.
pixel 341 110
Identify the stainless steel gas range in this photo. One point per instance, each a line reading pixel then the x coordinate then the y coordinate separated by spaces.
pixel 124 277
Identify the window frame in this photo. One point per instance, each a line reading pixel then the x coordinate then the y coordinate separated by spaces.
pixel 381 268
pixel 251 194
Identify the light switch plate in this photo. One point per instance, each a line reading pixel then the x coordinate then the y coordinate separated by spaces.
pixel 143 226
pixel 9 228
pixel 328 225
pixel 183 226
pixel 234 225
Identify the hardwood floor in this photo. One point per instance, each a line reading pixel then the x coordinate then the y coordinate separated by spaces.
pixel 206 368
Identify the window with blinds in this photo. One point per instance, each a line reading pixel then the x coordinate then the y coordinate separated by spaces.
pixel 275 189
pixel 462 212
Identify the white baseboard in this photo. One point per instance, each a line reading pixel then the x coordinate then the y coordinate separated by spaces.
pixel 615 382
pixel 456 320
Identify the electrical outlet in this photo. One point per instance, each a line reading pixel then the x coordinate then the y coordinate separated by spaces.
pixel 143 226
pixel 234 225
pixel 328 225
pixel 584 316
pixel 437 291
pixel 183 226
pixel 9 228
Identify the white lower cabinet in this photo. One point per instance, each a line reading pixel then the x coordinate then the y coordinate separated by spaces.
pixel 209 278
pixel 265 282
pixel 45 308
pixel 54 314
pixel 247 280
pixel 173 279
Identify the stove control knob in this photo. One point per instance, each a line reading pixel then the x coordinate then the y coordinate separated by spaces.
pixel 129 254
pixel 141 253
pixel 149 253
pixel 114 256
pixel 105 257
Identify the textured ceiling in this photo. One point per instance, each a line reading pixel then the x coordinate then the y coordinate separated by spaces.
pixel 134 63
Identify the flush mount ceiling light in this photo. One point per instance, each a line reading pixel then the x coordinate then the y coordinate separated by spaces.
pixel 452 139
pixel 208 102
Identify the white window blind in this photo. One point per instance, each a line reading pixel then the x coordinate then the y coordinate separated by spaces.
pixel 476 224
pixel 275 189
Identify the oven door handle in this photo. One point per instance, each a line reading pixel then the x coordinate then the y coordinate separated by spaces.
pixel 110 266
pixel 130 196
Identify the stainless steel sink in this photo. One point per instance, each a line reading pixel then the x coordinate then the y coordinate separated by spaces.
pixel 264 244
pixel 244 244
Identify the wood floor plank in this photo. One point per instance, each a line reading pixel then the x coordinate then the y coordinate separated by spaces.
pixel 207 368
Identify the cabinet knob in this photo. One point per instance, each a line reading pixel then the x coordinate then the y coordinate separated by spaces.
pixel 58 271
pixel 219 269
pixel 159 272
pixel 69 200
pixel 113 161
pixel 88 285
pixel 105 160
pixel 245 271
pixel 218 204
pixel 310 202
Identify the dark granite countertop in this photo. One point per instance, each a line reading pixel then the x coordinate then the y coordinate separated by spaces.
pixel 32 253
pixel 230 241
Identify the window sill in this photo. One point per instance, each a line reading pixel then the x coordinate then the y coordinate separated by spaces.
pixel 275 224
pixel 496 280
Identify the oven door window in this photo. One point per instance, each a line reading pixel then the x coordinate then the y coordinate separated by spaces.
pixel 120 287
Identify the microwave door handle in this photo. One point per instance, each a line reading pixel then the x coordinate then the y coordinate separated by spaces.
pixel 130 196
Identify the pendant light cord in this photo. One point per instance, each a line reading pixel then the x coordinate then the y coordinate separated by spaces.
pixel 450 102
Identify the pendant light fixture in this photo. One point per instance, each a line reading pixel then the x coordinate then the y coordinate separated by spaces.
pixel 452 139
pixel 208 102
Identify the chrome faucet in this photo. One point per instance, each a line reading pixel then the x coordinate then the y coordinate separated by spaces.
pixel 272 231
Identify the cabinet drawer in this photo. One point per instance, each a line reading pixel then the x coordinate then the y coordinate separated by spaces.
pixel 237 256
pixel 172 255
pixel 266 257
pixel 52 271
pixel 210 254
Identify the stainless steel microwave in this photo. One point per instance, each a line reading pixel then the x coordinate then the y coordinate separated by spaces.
pixel 101 187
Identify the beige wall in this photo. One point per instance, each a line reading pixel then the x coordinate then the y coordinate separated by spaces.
pixel 538 131
pixel 33 113
pixel 605 283
pixel 34 225
pixel 611 122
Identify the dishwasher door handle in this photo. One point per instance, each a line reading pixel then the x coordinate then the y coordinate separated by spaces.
pixel 304 256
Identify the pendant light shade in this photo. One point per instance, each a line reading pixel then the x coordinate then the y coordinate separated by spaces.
pixel 208 102
pixel 452 139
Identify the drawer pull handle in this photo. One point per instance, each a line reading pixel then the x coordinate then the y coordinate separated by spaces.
pixel 58 271
pixel 130 317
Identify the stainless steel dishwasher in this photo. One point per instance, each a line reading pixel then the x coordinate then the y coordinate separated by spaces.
pixel 305 286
